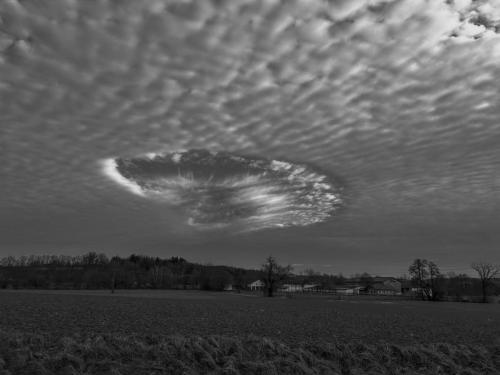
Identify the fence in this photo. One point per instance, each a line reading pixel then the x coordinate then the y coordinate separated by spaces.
pixel 343 295
pixel 369 296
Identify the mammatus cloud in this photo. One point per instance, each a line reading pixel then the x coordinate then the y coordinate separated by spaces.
pixel 219 189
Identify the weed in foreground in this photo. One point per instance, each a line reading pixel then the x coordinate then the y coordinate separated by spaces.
pixel 120 354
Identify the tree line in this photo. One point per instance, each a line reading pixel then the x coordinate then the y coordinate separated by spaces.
pixel 431 284
pixel 97 271
pixel 426 280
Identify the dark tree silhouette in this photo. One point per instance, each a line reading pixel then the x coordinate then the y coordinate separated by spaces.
pixel 115 265
pixel 425 274
pixel 273 274
pixel 366 280
pixel 487 272
pixel 97 271
pixel 419 274
pixel 434 281
pixel 458 285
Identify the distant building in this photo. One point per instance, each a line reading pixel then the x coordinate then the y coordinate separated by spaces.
pixel 290 288
pixel 311 287
pixel 256 285
pixel 407 287
pixel 348 290
pixel 385 286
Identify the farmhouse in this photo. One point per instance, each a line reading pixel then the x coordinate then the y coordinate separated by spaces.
pixel 291 288
pixel 299 288
pixel 385 286
pixel 256 285
pixel 311 287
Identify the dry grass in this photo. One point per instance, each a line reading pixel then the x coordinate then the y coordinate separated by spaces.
pixel 114 354
pixel 207 333
pixel 290 321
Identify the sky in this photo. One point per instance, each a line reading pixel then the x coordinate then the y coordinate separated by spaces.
pixel 344 136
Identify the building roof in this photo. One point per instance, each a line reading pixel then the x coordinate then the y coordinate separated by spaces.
pixel 381 279
pixel 382 286
pixel 257 283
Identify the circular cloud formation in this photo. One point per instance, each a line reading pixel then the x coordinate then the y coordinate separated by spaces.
pixel 218 189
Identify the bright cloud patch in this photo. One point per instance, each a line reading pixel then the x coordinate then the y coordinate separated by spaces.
pixel 218 189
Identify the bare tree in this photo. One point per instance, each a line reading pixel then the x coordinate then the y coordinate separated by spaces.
pixel 426 275
pixel 458 285
pixel 487 272
pixel 115 265
pixel 273 274
pixel 434 280
pixel 419 274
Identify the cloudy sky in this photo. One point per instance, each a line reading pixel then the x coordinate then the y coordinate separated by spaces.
pixel 342 135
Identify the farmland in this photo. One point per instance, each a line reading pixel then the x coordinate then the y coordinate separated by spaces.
pixel 231 333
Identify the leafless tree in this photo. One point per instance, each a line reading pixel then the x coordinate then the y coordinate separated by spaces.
pixel 426 275
pixel 114 264
pixel 487 272
pixel 273 274
pixel 434 278
pixel 419 274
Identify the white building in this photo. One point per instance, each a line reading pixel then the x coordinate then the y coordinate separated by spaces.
pixel 298 287
pixel 256 285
